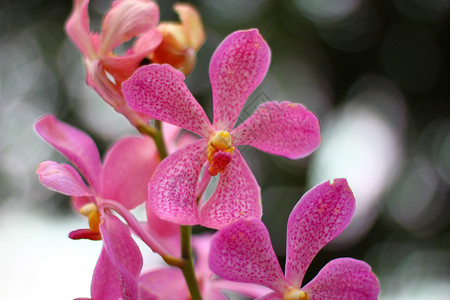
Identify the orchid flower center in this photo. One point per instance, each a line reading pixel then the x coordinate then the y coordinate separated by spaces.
pixel 295 294
pixel 90 210
pixel 219 152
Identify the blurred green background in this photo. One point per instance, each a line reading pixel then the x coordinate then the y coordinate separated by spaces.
pixel 376 73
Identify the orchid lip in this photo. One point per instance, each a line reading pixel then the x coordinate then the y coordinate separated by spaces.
pixel 295 294
pixel 219 151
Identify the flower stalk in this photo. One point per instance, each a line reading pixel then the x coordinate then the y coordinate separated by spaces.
pixel 188 267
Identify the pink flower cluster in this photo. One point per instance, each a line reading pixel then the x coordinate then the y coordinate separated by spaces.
pixel 135 170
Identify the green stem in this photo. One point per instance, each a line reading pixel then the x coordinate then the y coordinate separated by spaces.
pixel 147 130
pixel 157 135
pixel 159 141
pixel 188 267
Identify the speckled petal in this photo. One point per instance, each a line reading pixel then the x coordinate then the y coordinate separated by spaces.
pixel 159 91
pixel 236 196
pixel 344 278
pixel 124 254
pixel 127 168
pixel 319 216
pixel 74 144
pixel 105 283
pixel 237 67
pixel 62 178
pixel 172 189
pixel 242 252
pixel 286 129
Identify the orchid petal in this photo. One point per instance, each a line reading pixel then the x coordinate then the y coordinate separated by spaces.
pixel 62 178
pixel 192 24
pixel 167 233
pixel 344 278
pixel 125 20
pixel 237 67
pixel 148 42
pixel 200 245
pixel 127 168
pixel 122 67
pixel 105 283
pixel 121 247
pixel 77 28
pixel 78 202
pixel 74 144
pixel 248 289
pixel 160 92
pixel 166 283
pixel 172 189
pixel 271 296
pixel 146 294
pixel 124 254
pixel 212 293
pixel 242 252
pixel 319 216
pixel 236 196
pixel 85 233
pixel 97 78
pixel 285 129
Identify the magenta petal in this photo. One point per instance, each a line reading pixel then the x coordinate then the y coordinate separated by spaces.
pixel 122 67
pixel 159 91
pixel 271 296
pixel 249 289
pixel 212 293
pixel 344 278
pixel 286 129
pixel 121 247
pixel 166 283
pixel 76 145
pixel 127 168
pixel 125 20
pixel 237 196
pixel 124 254
pixel 167 233
pixel 242 252
pixel 77 28
pixel 105 283
pixel 319 216
pixel 237 67
pixel 172 189
pixel 78 202
pixel 201 244
pixel 62 178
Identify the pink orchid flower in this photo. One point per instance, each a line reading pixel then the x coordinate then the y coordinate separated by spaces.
pixel 122 177
pixel 243 252
pixel 180 41
pixel 105 70
pixel 169 283
pixel 237 67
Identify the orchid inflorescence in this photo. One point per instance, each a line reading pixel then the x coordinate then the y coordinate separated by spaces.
pixel 169 169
